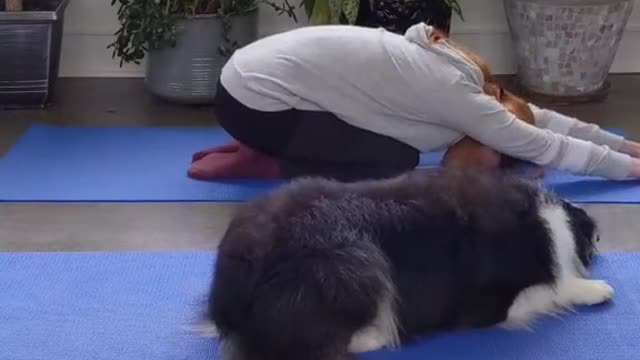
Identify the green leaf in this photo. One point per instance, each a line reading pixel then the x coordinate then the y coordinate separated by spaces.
pixel 455 6
pixel 321 13
pixel 308 7
pixel 151 24
pixel 350 9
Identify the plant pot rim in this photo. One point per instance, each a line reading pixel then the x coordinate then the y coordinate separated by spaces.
pixel 571 2
pixel 37 15
pixel 217 16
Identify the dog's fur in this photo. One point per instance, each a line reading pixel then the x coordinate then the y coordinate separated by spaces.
pixel 319 270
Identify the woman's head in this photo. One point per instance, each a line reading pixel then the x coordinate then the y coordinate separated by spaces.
pixel 436 36
pixel 469 151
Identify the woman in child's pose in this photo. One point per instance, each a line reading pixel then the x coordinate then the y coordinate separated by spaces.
pixel 354 103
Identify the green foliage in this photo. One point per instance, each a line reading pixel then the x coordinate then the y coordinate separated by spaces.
pixel 350 10
pixel 151 24
pixel 332 11
pixel 455 6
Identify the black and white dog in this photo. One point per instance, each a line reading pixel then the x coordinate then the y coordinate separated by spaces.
pixel 319 270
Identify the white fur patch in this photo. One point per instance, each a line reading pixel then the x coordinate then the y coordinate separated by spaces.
pixel 382 332
pixel 586 292
pixel 530 303
pixel 562 239
pixel 206 328
pixel 569 289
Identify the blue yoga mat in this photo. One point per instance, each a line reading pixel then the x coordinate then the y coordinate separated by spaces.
pixel 132 306
pixel 75 164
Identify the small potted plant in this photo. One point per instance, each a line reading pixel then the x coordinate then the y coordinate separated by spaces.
pixel 393 15
pixel 187 42
pixel 30 51
pixel 564 48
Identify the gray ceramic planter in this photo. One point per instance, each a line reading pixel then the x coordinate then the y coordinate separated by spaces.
pixel 565 48
pixel 189 72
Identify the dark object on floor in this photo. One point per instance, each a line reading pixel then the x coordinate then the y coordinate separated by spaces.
pixel 30 43
pixel 320 269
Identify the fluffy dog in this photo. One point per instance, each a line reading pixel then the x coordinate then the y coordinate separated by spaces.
pixel 320 270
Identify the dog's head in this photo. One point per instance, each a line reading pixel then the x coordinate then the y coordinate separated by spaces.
pixel 585 232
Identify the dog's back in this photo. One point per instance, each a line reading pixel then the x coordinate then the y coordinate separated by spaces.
pixel 297 274
pixel 303 269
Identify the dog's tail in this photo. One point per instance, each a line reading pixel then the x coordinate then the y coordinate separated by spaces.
pixel 302 303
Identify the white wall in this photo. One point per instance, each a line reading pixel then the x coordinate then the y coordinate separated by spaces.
pixel 89 26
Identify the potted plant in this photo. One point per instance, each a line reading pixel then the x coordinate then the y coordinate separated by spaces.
pixel 29 51
pixel 394 15
pixel 187 42
pixel 564 48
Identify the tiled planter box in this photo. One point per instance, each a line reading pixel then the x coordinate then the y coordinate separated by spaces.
pixel 565 48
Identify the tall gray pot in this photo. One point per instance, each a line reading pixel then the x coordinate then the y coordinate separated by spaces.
pixel 565 48
pixel 188 73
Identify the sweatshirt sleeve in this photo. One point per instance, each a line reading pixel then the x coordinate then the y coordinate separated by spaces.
pixel 566 125
pixel 468 110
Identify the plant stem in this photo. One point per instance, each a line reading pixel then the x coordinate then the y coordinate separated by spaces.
pixel 195 7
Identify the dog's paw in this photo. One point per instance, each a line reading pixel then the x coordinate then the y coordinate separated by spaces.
pixel 589 292
pixel 368 339
pixel 596 292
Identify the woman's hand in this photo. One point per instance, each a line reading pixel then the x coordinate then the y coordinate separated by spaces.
pixel 631 148
pixel 635 169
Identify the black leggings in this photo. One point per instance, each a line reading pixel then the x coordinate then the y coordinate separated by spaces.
pixel 314 143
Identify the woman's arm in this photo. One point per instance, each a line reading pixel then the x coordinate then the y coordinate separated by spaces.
pixel 573 127
pixel 484 119
pixel 566 125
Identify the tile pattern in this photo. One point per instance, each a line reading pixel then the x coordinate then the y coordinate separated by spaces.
pixel 564 48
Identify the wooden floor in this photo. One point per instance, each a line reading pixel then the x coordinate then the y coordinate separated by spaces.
pixel 187 226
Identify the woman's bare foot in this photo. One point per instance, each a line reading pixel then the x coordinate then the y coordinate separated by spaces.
pixel 230 147
pixel 243 163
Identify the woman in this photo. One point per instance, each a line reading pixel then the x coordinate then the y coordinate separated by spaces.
pixel 358 103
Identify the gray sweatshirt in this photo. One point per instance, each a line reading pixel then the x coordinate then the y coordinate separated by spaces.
pixel 426 95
